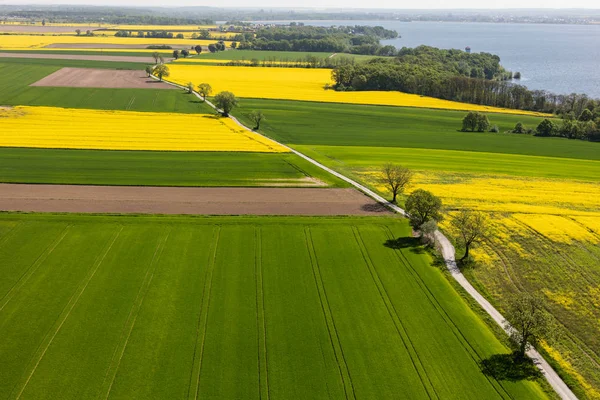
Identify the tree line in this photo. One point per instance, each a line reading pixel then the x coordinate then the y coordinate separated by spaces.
pixel 476 78
pixel 585 127
pixel 342 39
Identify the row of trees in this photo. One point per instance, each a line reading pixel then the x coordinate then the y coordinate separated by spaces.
pixel 526 317
pixel 343 39
pixel 585 127
pixel 149 34
pixel 476 78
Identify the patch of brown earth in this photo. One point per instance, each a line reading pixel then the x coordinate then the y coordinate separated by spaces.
pixel 101 78
pixel 180 200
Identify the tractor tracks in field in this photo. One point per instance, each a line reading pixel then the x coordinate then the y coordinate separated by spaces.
pixel 263 367
pixel 66 312
pixel 33 268
pixel 119 351
pixel 334 338
pixel 404 336
pixel 448 253
pixel 194 386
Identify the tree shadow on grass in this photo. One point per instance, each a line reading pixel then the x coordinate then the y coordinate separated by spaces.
pixel 374 208
pixel 412 243
pixel 509 367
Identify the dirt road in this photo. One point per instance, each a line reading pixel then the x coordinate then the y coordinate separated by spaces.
pixel 178 200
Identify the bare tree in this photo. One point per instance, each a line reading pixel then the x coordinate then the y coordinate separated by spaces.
pixel 472 227
pixel 396 178
pixel 156 56
pixel 529 320
pixel 190 87
pixel 149 70
pixel 257 117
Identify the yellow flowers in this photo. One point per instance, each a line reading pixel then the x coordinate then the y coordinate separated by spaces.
pixel 305 84
pixel 30 42
pixel 50 127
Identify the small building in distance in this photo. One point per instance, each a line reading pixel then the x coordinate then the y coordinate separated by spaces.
pixel 468 49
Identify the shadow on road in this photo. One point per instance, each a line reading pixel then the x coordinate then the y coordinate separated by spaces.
pixel 508 367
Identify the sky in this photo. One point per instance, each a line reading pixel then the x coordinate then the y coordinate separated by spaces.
pixel 402 4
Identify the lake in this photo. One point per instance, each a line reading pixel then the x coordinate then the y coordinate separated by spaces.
pixel 557 58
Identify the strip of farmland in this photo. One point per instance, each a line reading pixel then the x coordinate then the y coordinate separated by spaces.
pixel 233 307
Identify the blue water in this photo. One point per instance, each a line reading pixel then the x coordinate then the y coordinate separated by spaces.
pixel 558 58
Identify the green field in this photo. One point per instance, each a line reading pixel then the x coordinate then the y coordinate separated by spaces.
pixel 104 167
pixel 357 140
pixel 306 123
pixel 15 79
pixel 245 308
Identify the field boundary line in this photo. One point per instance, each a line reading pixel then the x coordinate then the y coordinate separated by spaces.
pixel 263 367
pixel 329 321
pixel 448 253
pixel 391 309
pixel 113 368
pixel 66 312
pixel 439 308
pixel 29 271
pixel 203 319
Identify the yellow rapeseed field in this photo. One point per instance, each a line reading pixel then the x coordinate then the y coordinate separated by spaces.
pixel 51 127
pixel 304 84
pixel 29 42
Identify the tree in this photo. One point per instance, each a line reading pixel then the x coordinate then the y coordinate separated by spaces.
pixel 198 49
pixel 212 48
pixel 161 60
pixel 78 32
pixel 546 128
pixel 185 53
pixel 156 56
pixel 176 54
pixel 427 231
pixel 190 87
pixel 519 128
pixel 204 34
pixel 204 90
pixel 226 101
pixel 396 178
pixel 179 36
pixel 472 226
pixel 517 75
pixel 149 70
pixel 423 206
pixel 586 115
pixel 483 123
pixel 529 320
pixel 161 71
pixel 43 22
pixel 257 117
pixel 470 122
pixel 89 33
pixel 233 45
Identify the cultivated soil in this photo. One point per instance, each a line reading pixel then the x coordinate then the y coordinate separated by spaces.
pixel 88 57
pixel 101 78
pixel 178 200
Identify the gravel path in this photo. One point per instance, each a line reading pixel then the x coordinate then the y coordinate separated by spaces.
pixel 448 253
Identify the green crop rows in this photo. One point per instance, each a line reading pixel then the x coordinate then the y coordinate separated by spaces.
pixel 153 307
